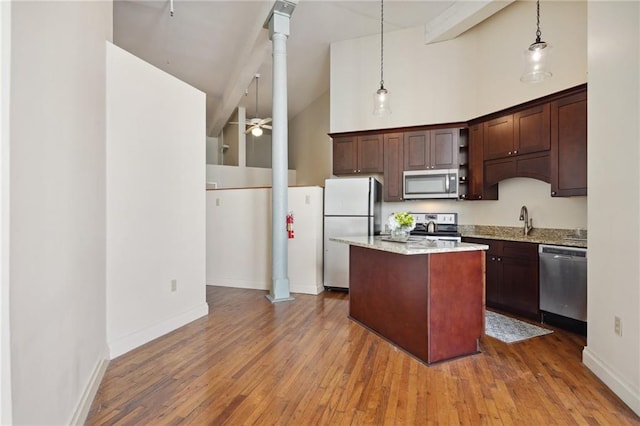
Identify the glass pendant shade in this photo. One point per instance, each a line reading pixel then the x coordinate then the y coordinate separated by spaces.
pixel 256 131
pixel 536 63
pixel 536 56
pixel 381 104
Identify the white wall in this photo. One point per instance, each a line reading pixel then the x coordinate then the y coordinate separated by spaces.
pixel 5 330
pixel 57 206
pixel 242 177
pixel 258 150
pixel 456 80
pixel 155 202
pixel 235 139
pixel 213 150
pixel 614 197
pixel 310 147
pixel 239 239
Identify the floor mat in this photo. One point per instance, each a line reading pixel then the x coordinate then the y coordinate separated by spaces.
pixel 511 330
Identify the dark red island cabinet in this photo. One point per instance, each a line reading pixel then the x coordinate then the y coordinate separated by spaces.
pixel 430 305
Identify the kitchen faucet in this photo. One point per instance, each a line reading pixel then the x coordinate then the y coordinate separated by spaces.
pixel 528 223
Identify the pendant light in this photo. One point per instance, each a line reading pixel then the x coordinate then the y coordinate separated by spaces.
pixel 535 57
pixel 381 105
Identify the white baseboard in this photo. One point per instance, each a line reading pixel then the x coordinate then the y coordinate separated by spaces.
pixel 86 399
pixel 625 391
pixel 251 285
pixel 306 288
pixel 131 341
pixel 314 289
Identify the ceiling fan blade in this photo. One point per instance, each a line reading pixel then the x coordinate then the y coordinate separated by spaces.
pixel 249 129
pixel 266 127
pixel 265 121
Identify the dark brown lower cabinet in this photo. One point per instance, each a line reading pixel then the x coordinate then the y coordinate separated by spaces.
pixel 512 276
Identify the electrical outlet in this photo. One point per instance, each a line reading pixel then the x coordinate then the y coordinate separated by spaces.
pixel 617 326
pixel 217 202
pixel 174 285
pixel 307 199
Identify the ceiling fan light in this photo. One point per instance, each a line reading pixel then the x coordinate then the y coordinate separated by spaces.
pixel 256 131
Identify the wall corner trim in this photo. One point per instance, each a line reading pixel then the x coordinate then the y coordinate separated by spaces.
pixel 624 390
pixel 131 341
pixel 81 411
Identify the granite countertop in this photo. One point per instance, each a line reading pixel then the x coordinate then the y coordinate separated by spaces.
pixel 415 245
pixel 561 237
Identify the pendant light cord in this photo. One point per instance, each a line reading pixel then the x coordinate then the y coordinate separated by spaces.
pixel 382 44
pixel 538 32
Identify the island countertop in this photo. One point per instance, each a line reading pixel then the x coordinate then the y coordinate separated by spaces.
pixel 415 245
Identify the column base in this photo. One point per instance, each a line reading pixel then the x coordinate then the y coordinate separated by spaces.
pixel 283 299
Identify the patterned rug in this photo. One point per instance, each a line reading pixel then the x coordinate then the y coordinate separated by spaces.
pixel 511 330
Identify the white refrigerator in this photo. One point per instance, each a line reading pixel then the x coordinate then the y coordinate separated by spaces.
pixel 352 207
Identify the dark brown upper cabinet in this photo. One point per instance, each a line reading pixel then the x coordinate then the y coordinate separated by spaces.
pixel 498 137
pixel 532 130
pixel 358 154
pixel 477 190
pixel 393 162
pixel 431 149
pixel 569 146
pixel 523 132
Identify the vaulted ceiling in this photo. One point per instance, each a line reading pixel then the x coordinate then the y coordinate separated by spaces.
pixel 218 46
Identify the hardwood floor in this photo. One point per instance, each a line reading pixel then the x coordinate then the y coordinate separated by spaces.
pixel 305 363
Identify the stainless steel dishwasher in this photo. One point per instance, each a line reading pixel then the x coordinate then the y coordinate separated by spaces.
pixel 563 281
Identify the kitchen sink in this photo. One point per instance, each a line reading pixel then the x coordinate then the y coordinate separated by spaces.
pixel 578 240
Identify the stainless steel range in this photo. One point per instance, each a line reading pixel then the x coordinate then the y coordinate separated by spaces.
pixel 437 226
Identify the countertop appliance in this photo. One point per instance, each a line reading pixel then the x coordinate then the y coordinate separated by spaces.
pixel 563 281
pixel 352 207
pixel 437 183
pixel 437 226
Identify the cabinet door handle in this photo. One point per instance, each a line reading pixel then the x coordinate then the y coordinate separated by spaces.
pixel 515 152
pixel 493 258
pixel 553 192
pixel 509 153
pixel 499 259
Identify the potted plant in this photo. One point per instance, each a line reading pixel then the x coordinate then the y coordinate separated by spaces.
pixel 401 224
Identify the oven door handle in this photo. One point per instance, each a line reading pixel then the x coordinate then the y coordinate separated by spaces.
pixel 446 185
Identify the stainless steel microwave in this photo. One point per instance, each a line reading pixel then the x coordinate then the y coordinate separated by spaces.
pixel 419 184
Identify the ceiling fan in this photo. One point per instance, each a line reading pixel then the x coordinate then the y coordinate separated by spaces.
pixel 256 125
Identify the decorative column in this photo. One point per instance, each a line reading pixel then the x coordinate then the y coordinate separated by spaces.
pixel 278 24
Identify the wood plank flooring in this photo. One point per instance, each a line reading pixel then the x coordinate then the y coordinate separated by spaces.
pixel 305 363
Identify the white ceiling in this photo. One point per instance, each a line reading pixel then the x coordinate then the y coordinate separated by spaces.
pixel 218 46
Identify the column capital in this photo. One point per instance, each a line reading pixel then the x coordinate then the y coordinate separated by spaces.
pixel 278 19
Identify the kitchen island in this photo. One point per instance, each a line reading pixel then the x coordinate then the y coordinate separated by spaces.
pixel 426 297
